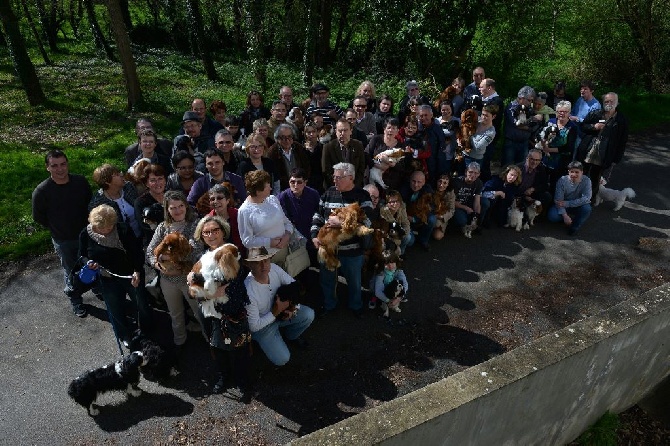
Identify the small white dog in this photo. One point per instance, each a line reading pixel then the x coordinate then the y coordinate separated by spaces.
pixel 382 162
pixel 617 196
pixel 470 227
pixel 533 209
pixel 515 215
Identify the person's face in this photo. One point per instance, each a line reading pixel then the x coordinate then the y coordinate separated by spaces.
pixel 425 117
pixel 511 176
pixel 524 101
pixel 609 103
pixel 156 183
pixel 263 194
pixel 310 133
pixel 214 165
pixel 477 76
pixel 212 234
pixel 486 118
pixel 534 160
pixel 117 182
pixel 457 86
pixel 393 203
pixel 141 126
pixel 233 129
pixel 366 91
pixel 385 106
pixel 218 202
pixel 220 116
pixel 255 100
pixel 360 105
pixel 374 197
pixel 351 117
pixel 263 131
pixel 471 175
pixel 58 168
pixel 342 181
pixel 586 93
pixel 103 230
pixel 199 107
pixel 177 210
pixel 321 96
pixel 442 184
pixel 391 266
pixel 148 145
pixel 255 150
pixel 343 132
pixel 279 112
pixel 297 185
pixel 413 92
pixel 285 138
pixel 390 131
pixel 484 89
pixel 224 143
pixel 416 182
pixel 559 92
pixel 575 175
pixel 286 96
pixel 260 268
pixel 445 110
pixel 192 128
pixel 410 129
pixel 185 169
pixel 537 105
pixel 562 115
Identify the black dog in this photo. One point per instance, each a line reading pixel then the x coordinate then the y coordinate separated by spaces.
pixel 290 293
pixel 393 290
pixel 159 364
pixel 121 375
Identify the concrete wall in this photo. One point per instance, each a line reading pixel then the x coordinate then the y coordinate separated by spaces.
pixel 546 392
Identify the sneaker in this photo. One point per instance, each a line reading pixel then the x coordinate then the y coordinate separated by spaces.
pixel 79 310
pixel 372 304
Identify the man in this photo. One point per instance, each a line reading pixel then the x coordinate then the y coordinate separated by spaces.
pixel 374 199
pixel 300 202
pixel 223 141
pixel 286 96
pixel 60 204
pixel 487 89
pixel 535 179
pixel 572 200
pixel 277 116
pixel 472 89
pixel 265 309
pixel 287 154
pixel 412 196
pixel 197 143
pixel 412 92
pixel 605 134
pixel 365 121
pixel 558 95
pixel 383 113
pixel 209 125
pixel 321 106
pixel 469 200
pixel 350 252
pixel 586 103
pixel 431 132
pixel 216 174
pixel 517 132
pixel 343 149
pixel 357 134
pixel 163 146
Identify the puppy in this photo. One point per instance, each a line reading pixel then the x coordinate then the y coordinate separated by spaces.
pixel 395 235
pixel 214 271
pixel 469 122
pixel 158 363
pixel 290 293
pixel 521 114
pixel 474 102
pixel 351 218
pixel 473 221
pixel 178 249
pixel 619 197
pixel 515 215
pixel 547 135
pixel 533 209
pixel 296 117
pixel 382 162
pixel 393 290
pixel 120 375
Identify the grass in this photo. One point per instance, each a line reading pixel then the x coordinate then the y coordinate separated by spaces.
pixel 602 433
pixel 86 116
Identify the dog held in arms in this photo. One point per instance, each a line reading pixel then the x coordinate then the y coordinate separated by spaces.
pixel 351 218
pixel 172 254
pixel 123 374
pixel 382 162
pixel 619 197
pixel 469 122
pixel 217 270
pixel 394 290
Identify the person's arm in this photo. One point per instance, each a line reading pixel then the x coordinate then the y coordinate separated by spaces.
pixel 39 208
pixel 583 194
pixel 159 233
pixel 400 275
pixel 245 226
pixel 480 141
pixel 379 288
pixel 559 195
pixel 477 207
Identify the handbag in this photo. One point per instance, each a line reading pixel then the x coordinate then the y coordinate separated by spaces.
pixel 297 259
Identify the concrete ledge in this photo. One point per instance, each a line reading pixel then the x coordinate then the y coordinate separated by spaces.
pixel 546 392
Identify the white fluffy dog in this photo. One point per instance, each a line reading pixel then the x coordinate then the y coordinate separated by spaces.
pixel 617 196
pixel 533 209
pixel 515 215
pixel 382 162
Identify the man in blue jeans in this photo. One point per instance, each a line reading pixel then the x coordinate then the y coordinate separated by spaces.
pixel 60 204
pixel 572 200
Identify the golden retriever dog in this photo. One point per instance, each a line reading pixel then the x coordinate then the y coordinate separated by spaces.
pixel 351 218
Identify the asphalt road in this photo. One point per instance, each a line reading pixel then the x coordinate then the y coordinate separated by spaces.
pixel 44 346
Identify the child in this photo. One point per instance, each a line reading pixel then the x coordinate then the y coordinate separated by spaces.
pixel 388 274
pixel 414 144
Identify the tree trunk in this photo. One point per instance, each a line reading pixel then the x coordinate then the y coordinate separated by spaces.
pixel 198 44
pixel 323 49
pixel 48 28
pixel 98 36
pixel 342 22
pixel 36 34
pixel 125 55
pixel 17 50
pixel 311 35
pixel 125 13
pixel 253 31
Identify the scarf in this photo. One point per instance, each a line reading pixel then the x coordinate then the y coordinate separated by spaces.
pixel 388 276
pixel 110 240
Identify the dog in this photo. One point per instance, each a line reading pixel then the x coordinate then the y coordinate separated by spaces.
pixel 120 375
pixel 447 94
pixel 515 215
pixel 153 214
pixel 296 117
pixel 395 235
pixel 382 162
pixel 547 135
pixel 421 208
pixel 393 290
pixel 473 220
pixel 325 134
pixel 469 122
pixel 351 218
pixel 223 267
pixel 290 293
pixel 474 102
pixel 158 363
pixel 521 114
pixel 619 197
pixel 178 248
pixel 533 209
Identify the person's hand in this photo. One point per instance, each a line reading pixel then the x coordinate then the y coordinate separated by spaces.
pixel 334 221
pixel 278 307
pixel 283 240
pixel 500 194
pixel 530 191
pixel 599 126
pixel 468 210
pixel 316 242
pixel 135 281
pixel 566 219
pixel 92 265
pixel 221 290
pixel 573 118
pixel 393 303
pixel 560 204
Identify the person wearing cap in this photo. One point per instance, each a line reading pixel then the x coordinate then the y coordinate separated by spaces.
pixel 265 307
pixel 413 92
pixel 572 200
pixel 209 125
pixel 198 142
pixel 586 102
pixel 322 106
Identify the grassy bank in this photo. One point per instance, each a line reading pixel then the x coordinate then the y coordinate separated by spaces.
pixel 85 116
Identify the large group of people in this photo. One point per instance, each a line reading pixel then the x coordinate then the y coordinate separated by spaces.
pixel 276 173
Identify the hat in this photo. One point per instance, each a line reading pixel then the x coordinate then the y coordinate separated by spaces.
pixel 190 116
pixel 257 254
pixel 319 87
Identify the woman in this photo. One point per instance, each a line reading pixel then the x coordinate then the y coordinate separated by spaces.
pixel 114 254
pixel 230 360
pixel 501 190
pixel 179 218
pixel 413 142
pixel 219 200
pixel 185 174
pixel 558 153
pixel 394 175
pixel 149 206
pixel 367 90
pixel 314 150
pixel 450 125
pixel 445 205
pixel 218 109
pixel 458 100
pixel 262 127
pixel 482 137
pixel 254 110
pixel 147 142
pixel 261 219
pixel 255 149
pixel 395 211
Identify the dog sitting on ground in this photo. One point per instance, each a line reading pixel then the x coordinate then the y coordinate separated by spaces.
pixel 395 234
pixel 619 197
pixel 382 162
pixel 533 209
pixel 215 271
pixel 120 375
pixel 393 290
pixel 515 215
pixel 471 225
pixel 158 363
pixel 290 293
pixel 178 249
pixel 351 219
pixel 469 122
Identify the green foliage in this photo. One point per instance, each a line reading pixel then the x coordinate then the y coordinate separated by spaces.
pixel 602 433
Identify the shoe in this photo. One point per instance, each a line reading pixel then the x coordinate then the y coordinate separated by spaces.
pixel 79 310
pixel 372 304
pixel 358 314
pixel 220 385
pixel 298 342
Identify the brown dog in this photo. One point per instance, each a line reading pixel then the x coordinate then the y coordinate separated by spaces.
pixel 172 255
pixel 222 268
pixel 447 94
pixel 421 208
pixel 351 219
pixel 469 121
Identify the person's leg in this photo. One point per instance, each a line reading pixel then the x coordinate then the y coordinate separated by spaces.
pixel 114 295
pixel 553 215
pixel 295 326
pixel 351 270
pixel 509 151
pixel 484 204
pixel 174 299
pixel 579 216
pixel 68 253
pixel 272 344
pixel 328 282
pixel 140 297
pixel 460 218
pixel 426 230
pixel 407 240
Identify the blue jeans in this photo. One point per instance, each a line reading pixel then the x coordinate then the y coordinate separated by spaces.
pixel 424 231
pixel 460 217
pixel 351 269
pixel 578 214
pixel 406 241
pixel 114 292
pixel 514 152
pixel 270 339
pixel 68 253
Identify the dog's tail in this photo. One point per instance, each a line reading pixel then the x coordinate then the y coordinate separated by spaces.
pixel 629 192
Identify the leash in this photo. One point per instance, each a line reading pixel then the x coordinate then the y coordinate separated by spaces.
pixel 115 275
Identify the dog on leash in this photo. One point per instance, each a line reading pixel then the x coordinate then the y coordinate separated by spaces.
pixel 393 290
pixel 533 209
pixel 515 215
pixel 158 363
pixel 120 375
pixel 619 197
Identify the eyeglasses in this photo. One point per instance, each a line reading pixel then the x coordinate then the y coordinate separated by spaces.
pixel 253 146
pixel 392 202
pixel 338 177
pixel 537 160
pixel 217 198
pixel 191 167
pixel 211 232
pixel 285 137
pixel 473 172
pixel 296 182
pixel 156 180
pixel 218 143
pixel 374 197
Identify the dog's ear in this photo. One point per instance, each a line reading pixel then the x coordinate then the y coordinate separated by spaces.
pixel 350 218
pixel 197 267
pixel 227 259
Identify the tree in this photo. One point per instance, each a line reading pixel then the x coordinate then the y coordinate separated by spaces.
pixel 125 54
pixel 17 49
pixel 311 34
pixel 36 35
pixel 98 36
pixel 253 24
pixel 198 44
